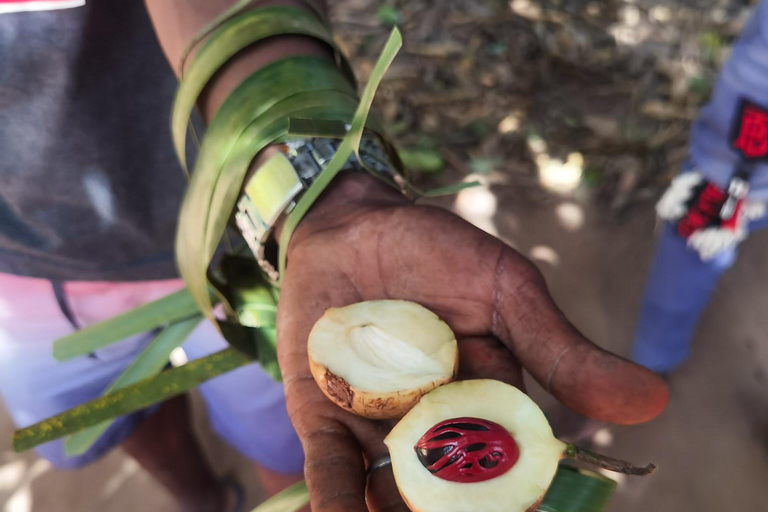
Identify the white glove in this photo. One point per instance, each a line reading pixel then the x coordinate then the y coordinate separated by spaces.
pixel 674 203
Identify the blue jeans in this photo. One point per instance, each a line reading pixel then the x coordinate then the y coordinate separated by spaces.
pixel 677 289
pixel 679 283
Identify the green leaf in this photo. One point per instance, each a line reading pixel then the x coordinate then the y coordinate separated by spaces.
pixel 483 165
pixel 163 311
pixel 325 104
pixel 210 27
pixel 422 159
pixel 448 190
pixel 316 128
pixel 249 292
pixel 710 44
pixel 572 490
pixel 699 85
pixel 577 490
pixel 230 38
pixel 350 143
pixel 266 345
pixel 269 127
pixel 149 362
pixel 389 16
pixel 251 100
pixel 288 500
pixel 167 384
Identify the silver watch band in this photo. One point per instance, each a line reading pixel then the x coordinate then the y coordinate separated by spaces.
pixel 276 186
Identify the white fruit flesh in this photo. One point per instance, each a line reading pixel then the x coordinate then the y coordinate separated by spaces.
pixel 514 491
pixel 382 349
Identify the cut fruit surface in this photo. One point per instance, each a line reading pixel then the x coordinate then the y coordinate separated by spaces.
pixel 517 489
pixel 377 358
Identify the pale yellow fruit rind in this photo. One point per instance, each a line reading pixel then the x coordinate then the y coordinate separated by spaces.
pixel 373 405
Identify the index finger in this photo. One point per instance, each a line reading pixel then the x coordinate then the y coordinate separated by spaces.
pixel 334 468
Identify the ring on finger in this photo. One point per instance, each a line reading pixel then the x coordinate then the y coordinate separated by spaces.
pixel 379 463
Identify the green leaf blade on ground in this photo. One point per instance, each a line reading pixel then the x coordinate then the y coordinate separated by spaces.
pixel 140 395
pixel 149 362
pixel 171 308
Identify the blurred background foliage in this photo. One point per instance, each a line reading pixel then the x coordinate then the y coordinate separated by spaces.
pixel 594 95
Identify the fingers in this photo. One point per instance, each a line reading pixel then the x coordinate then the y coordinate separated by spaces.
pixel 383 495
pixel 488 358
pixel 334 469
pixel 334 440
pixel 581 375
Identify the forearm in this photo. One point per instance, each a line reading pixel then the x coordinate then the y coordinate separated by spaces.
pixel 177 21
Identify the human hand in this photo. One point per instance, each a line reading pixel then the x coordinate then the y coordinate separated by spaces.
pixel 364 241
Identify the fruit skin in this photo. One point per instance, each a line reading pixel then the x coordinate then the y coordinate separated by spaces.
pixel 373 405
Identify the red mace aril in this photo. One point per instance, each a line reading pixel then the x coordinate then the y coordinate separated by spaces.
pixel 467 450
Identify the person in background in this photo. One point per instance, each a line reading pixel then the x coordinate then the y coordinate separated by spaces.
pixel 88 204
pixel 712 206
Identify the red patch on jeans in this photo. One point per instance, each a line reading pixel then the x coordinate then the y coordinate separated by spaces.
pixel 750 131
pixel 704 212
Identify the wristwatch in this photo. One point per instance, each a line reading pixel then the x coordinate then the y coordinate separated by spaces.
pixel 274 189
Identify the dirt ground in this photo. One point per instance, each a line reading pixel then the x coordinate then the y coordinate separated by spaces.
pixel 573 114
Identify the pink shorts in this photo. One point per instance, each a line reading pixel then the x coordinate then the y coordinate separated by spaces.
pixel 245 407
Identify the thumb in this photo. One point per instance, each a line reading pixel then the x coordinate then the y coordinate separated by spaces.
pixel 581 375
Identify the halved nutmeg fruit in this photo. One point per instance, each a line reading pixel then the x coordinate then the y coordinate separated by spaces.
pixel 481 445
pixel 474 445
pixel 378 358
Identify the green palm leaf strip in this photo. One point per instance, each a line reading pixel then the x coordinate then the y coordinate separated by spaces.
pixel 288 500
pixel 149 362
pixel 249 102
pixel 271 126
pixel 230 38
pixel 140 395
pixel 171 308
pixel 577 490
pixel 221 19
pixel 210 27
pixel 572 490
pixel 349 144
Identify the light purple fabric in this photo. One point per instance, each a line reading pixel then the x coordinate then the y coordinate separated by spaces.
pixel 245 407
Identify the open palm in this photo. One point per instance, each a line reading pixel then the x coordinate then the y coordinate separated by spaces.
pixel 362 241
